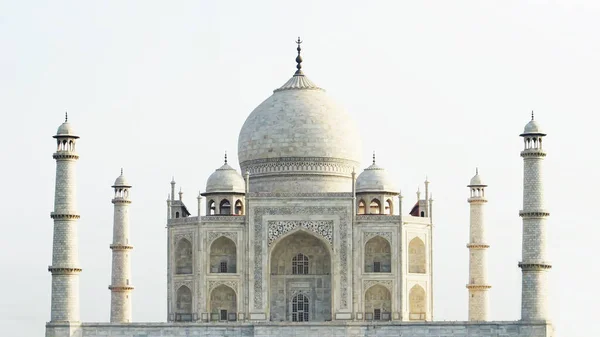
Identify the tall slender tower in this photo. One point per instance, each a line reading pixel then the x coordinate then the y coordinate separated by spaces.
pixel 478 287
pixel 65 255
pixel 534 262
pixel 120 287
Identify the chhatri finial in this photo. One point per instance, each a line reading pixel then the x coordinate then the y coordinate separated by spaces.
pixel 531 114
pixel 225 157
pixel 373 157
pixel 66 117
pixel 476 170
pixel 299 59
pixel 121 171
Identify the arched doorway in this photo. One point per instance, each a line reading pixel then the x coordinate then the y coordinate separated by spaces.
pixel 300 287
pixel 223 304
pixel 378 303
pixel 417 303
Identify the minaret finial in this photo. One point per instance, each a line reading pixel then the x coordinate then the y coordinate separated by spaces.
pixel 66 117
pixel 121 171
pixel 299 59
pixel 531 114
pixel 225 157
pixel 477 170
pixel 373 157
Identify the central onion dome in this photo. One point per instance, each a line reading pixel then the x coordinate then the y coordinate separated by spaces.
pixel 299 140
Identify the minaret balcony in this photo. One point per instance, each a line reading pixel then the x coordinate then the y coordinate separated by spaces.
pixel 533 153
pixel 63 216
pixel 65 155
pixel 540 213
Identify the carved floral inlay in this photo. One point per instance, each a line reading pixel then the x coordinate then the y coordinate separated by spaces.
pixel 323 228
pixel 386 283
pixel 212 236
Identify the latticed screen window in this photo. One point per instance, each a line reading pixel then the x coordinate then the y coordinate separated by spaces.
pixel 223 267
pixel 377 267
pixel 300 264
pixel 223 315
pixel 377 314
pixel 300 308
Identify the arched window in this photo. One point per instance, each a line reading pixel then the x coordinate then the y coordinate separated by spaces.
pixel 389 208
pixel 361 207
pixel 212 208
pixel 416 256
pixel 375 207
pixel 184 300
pixel 300 264
pixel 183 257
pixel 300 308
pixel 176 214
pixel 239 207
pixel 225 207
pixel 422 214
pixel 378 256
pixel 417 303
pixel 223 256
pixel 378 302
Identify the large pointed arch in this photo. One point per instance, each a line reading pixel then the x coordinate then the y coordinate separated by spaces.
pixel 183 257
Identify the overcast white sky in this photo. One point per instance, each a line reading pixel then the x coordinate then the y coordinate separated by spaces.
pixel 162 88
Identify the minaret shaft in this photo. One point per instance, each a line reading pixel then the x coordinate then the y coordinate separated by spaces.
pixel 478 286
pixel 120 302
pixel 534 262
pixel 65 248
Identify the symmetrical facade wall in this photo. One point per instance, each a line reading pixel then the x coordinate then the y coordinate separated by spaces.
pixel 303 256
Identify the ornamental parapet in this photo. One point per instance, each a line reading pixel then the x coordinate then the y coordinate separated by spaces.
pixel 64 216
pixel 478 286
pixel 59 155
pixel 120 288
pixel 378 218
pixel 477 246
pixel 64 270
pixel 536 266
pixel 121 201
pixel 191 220
pixel 224 218
pixel 533 153
pixel 120 247
pixel 534 214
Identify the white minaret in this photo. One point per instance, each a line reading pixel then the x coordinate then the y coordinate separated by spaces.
pixel 65 247
pixel 120 287
pixel 534 263
pixel 478 286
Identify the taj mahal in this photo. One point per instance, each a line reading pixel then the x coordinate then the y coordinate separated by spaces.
pixel 302 240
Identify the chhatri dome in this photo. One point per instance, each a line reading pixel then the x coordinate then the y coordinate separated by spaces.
pixel 375 179
pixel 533 128
pixel 66 129
pixel 299 131
pixel 225 180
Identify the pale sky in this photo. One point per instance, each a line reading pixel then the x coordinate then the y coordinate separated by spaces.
pixel 162 88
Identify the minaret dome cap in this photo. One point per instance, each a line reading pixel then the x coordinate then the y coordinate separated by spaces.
pixel 121 181
pixel 65 130
pixel 476 181
pixel 533 128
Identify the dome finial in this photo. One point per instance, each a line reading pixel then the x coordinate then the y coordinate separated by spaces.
pixel 66 117
pixel 373 157
pixel 225 157
pixel 121 171
pixel 531 114
pixel 477 170
pixel 299 59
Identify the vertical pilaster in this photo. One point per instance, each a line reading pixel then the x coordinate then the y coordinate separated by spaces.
pixel 120 287
pixel 65 256
pixel 478 286
pixel 534 264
